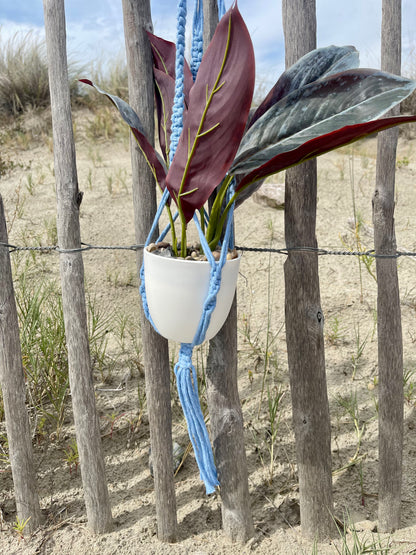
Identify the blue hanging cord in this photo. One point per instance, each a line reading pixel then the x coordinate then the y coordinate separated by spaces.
pixel 197 48
pixel 178 102
pixel 142 288
pixel 216 272
pixel 185 372
pixel 221 8
pixel 230 193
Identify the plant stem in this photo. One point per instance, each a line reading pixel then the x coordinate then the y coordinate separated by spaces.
pixel 218 228
pixel 214 228
pixel 183 238
pixel 172 231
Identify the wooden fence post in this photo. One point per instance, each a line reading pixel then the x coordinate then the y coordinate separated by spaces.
pixel 12 382
pixel 137 19
pixel 389 328
pixel 304 317
pixel 69 198
pixel 227 430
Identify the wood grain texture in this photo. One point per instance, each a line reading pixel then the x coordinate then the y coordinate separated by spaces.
pixel 69 198
pixel 304 317
pixel 389 328
pixel 210 21
pixel 12 382
pixel 227 430
pixel 137 19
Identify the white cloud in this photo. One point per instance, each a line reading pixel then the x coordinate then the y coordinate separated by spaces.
pixel 95 28
pixel 10 28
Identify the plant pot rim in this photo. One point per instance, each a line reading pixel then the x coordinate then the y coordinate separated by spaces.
pixel 182 260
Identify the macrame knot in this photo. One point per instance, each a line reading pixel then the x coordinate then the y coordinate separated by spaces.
pixel 215 284
pixel 197 48
pixel 211 299
pixel 185 356
pixel 178 102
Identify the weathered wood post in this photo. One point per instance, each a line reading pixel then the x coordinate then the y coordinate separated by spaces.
pixel 69 198
pixel 389 328
pixel 304 317
pixel 12 381
pixel 227 431
pixel 137 19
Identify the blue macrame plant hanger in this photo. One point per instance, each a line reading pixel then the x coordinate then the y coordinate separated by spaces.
pixel 185 372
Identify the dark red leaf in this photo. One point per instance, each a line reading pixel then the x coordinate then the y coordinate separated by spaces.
pixel 212 131
pixel 151 157
pixel 164 93
pixel 132 119
pixel 164 53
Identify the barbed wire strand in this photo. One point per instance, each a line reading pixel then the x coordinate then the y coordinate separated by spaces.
pixel 283 250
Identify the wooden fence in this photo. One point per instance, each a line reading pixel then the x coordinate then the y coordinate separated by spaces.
pixel 304 321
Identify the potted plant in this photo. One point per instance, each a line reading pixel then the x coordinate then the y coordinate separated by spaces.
pixel 321 103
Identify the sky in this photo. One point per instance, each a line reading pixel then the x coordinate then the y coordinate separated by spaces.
pixel 95 28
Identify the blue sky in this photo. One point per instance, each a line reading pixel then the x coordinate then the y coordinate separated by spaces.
pixel 95 30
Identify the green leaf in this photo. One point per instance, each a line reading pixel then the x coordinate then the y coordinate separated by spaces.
pixel 315 147
pixel 316 64
pixel 346 98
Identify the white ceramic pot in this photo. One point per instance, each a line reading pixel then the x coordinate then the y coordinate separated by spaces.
pixel 176 290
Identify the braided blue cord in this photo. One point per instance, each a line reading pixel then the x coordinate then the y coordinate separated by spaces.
pixel 184 369
pixel 185 372
pixel 215 277
pixel 178 102
pixel 142 288
pixel 197 48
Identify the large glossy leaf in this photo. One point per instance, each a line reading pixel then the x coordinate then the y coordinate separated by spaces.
pixel 219 104
pixel 153 159
pixel 346 98
pixel 164 94
pixel 316 64
pixel 317 146
pixel 246 191
pixel 164 53
pixel 164 59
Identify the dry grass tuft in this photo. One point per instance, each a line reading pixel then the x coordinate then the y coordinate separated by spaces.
pixel 24 75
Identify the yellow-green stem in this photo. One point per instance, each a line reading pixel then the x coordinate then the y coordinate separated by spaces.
pixel 216 209
pixel 183 239
pixel 213 243
pixel 172 231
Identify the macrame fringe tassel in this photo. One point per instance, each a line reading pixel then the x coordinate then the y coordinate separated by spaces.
pixel 187 385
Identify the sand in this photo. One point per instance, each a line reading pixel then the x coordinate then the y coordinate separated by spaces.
pixel 349 307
